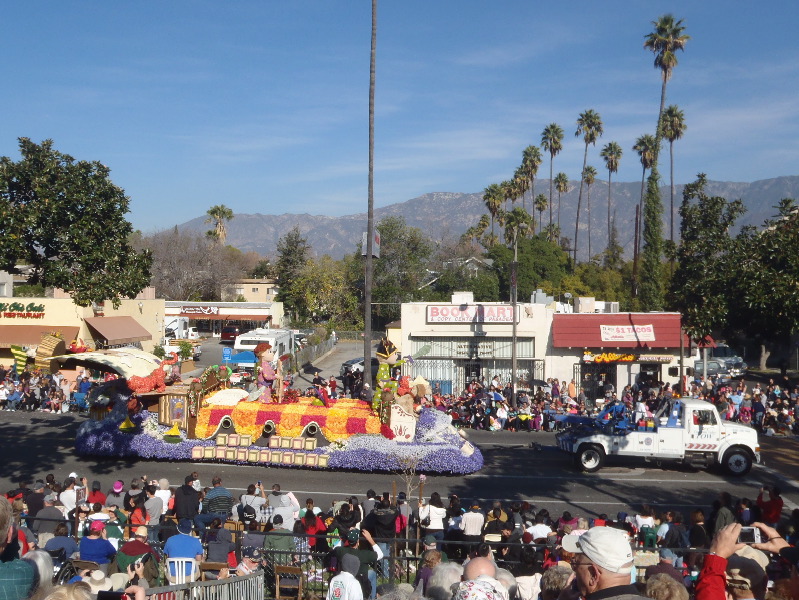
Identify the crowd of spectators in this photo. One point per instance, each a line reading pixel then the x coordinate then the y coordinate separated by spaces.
pixel 453 550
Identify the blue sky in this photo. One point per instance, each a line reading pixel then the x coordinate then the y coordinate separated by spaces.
pixel 262 105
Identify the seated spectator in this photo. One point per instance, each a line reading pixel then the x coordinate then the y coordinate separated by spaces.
pixel 47 519
pixel 430 559
pixel 61 540
pixel 219 543
pixel 253 537
pixel 344 585
pixel 479 581
pixel 665 566
pixel 137 549
pixel 528 574
pixel 183 545
pixel 554 581
pixel 95 546
pixel 662 586
pixel 443 577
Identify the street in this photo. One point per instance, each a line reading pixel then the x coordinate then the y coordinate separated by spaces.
pixel 518 466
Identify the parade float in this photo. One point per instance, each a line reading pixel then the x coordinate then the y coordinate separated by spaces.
pixel 208 420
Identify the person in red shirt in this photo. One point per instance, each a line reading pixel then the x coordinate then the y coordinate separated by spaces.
pixel 771 508
pixel 96 496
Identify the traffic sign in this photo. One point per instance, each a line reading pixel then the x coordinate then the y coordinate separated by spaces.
pixel 227 354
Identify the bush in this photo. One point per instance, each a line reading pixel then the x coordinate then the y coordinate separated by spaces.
pixel 159 352
pixel 186 351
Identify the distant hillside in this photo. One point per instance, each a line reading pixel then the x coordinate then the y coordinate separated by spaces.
pixel 448 213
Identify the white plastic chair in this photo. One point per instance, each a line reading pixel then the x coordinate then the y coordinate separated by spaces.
pixel 179 565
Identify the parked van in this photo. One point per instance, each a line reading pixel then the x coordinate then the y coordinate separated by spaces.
pixel 282 340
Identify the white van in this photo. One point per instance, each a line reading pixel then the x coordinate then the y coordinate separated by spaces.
pixel 281 340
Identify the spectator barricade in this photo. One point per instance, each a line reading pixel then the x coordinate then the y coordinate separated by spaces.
pixel 233 588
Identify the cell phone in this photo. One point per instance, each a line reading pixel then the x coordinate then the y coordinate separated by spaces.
pixel 259 483
pixel 111 595
pixel 749 535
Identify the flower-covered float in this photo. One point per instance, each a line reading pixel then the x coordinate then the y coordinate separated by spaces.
pixel 209 421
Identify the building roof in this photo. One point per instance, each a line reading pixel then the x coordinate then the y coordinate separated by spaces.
pixel 641 331
pixel 119 330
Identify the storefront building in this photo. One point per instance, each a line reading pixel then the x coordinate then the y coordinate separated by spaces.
pixel 617 348
pixel 212 316
pixel 453 343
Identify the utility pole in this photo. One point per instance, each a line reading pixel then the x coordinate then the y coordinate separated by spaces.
pixel 370 219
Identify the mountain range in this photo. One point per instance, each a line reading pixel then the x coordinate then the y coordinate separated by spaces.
pixel 450 214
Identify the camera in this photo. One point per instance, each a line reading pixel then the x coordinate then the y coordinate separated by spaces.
pixel 749 535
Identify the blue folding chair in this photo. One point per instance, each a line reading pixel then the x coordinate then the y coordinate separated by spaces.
pixel 79 399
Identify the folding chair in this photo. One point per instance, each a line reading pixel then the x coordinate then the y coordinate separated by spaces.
pixel 206 567
pixel 185 570
pixel 288 582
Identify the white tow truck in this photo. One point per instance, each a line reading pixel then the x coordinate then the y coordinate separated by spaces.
pixel 690 432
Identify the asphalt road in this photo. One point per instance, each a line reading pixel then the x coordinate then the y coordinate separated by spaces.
pixel 523 466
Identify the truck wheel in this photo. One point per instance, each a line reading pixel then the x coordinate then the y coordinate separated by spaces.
pixel 737 461
pixel 590 458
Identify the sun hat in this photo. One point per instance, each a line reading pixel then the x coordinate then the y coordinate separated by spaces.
pixel 98 581
pixel 605 546
pixel 141 531
pixel 746 569
pixel 118 486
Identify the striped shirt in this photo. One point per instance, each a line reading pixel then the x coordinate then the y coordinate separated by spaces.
pixel 218 500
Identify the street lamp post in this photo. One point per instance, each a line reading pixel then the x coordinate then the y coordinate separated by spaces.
pixel 513 292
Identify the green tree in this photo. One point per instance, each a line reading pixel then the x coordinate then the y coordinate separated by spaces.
pixel 611 154
pixel 531 160
pixel 589 176
pixel 218 215
pixel 541 264
pixel 493 196
pixel 540 204
pixel 673 126
pixel 65 221
pixel 562 185
pixel 700 285
pixel 614 252
pixel 645 147
pixel 589 125
pixel 552 142
pixel 263 270
pixel 326 296
pixel 651 284
pixel 521 183
pixel 293 252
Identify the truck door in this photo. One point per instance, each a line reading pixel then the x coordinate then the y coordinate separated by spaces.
pixel 704 430
pixel 671 434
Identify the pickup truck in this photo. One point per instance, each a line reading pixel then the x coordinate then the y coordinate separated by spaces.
pixel 691 432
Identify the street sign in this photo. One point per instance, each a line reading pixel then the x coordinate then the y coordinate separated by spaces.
pixel 227 354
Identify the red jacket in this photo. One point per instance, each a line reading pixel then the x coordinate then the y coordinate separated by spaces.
pixel 772 509
pixel 712 582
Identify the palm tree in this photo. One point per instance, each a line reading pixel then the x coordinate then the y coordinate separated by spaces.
pixel 589 176
pixel 493 196
pixel 612 154
pixel 562 185
pixel 508 192
pixel 664 41
pixel 541 205
pixel 589 124
pixel 552 142
pixel 521 182
pixel 531 160
pixel 218 215
pixel 673 126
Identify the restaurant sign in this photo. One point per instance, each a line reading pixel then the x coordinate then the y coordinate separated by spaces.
pixel 627 333
pixel 18 310
pixel 199 310
pixel 469 313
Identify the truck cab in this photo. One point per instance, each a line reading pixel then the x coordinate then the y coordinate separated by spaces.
pixel 691 431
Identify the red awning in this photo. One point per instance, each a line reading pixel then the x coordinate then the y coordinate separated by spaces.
pixel 641 331
pixel 119 330
pixel 31 335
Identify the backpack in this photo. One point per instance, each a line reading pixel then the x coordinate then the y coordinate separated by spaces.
pixel 648 536
pixel 248 512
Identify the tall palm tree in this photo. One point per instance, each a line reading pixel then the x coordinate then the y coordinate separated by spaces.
pixel 521 183
pixel 541 205
pixel 589 125
pixel 493 197
pixel 562 185
pixel 508 192
pixel 612 154
pixel 589 176
pixel 646 147
pixel 664 42
pixel 219 215
pixel 552 142
pixel 531 160
pixel 673 126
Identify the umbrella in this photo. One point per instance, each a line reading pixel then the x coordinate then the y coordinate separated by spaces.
pixel 244 357
pixel 538 383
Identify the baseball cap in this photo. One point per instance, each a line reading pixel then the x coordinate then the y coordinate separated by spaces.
pixel 667 554
pixel 605 546
pixel 353 535
pixel 96 526
pixel 39 485
pixel 430 540
pixel 50 498
pixel 251 552
pixel 74 475
pixel 746 569
pixel 141 531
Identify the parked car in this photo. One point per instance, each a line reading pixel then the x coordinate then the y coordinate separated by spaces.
pixel 229 334
pixel 356 364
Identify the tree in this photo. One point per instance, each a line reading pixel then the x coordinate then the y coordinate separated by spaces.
pixel 218 215
pixel 589 176
pixel 611 154
pixel 325 296
pixel 614 252
pixel 293 252
pixel 263 270
pixel 531 160
pixel 540 205
pixel 589 125
pixel 673 126
pixel 521 182
pixel 541 264
pixel 562 185
pixel 651 281
pixel 645 147
pixel 700 285
pixel 666 39
pixel 493 196
pixel 552 142
pixel 64 220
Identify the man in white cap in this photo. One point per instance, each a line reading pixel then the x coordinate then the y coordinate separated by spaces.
pixel 602 563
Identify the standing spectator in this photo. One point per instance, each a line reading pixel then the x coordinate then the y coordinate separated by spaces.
pixel 187 502
pixel 69 497
pixel 725 515
pixel 165 494
pixel 116 497
pixel 254 498
pixel 472 525
pixel 280 542
pixel 345 586
pixel 433 514
pixel 155 508
pixel 217 504
pixel 771 508
pixel 286 507
pixel 96 496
